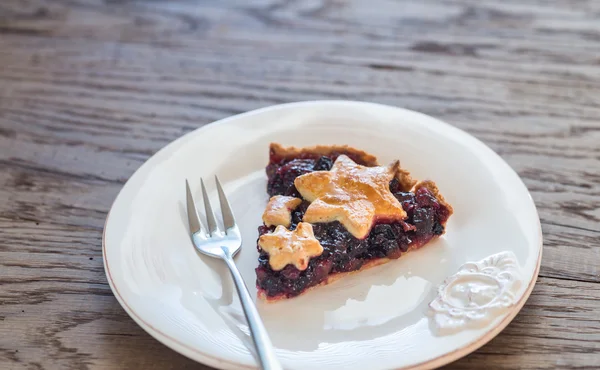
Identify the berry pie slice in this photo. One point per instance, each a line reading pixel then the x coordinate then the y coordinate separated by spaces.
pixel 334 210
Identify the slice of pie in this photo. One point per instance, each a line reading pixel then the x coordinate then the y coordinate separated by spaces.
pixel 335 210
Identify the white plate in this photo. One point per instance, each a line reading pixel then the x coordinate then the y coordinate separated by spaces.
pixel 376 319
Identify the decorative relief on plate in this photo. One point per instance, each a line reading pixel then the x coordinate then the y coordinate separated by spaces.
pixel 476 294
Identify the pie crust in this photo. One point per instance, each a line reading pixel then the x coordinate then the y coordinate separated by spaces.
pixel 291 152
pixel 279 210
pixel 357 193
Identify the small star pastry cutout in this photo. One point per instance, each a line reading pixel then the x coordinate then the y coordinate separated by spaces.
pixel 279 210
pixel 352 194
pixel 294 247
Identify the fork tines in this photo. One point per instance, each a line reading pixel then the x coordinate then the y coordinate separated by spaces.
pixel 194 221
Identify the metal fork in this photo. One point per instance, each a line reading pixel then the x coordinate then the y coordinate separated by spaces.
pixel 214 242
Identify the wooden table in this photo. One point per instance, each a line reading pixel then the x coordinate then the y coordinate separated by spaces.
pixel 90 89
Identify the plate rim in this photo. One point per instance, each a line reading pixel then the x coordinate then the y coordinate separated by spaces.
pixel 211 360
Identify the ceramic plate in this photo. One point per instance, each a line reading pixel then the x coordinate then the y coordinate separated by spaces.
pixel 423 310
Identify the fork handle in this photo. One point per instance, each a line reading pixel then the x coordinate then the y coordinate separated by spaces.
pixel 262 343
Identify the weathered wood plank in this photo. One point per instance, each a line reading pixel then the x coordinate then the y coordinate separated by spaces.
pixel 557 329
pixel 90 89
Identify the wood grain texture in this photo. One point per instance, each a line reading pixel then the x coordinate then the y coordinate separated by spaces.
pixel 90 89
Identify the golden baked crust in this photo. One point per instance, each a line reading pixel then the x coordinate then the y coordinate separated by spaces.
pixel 287 247
pixel 291 152
pixel 406 181
pixel 352 194
pixel 279 210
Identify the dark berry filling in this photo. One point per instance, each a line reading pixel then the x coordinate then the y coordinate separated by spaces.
pixel 342 251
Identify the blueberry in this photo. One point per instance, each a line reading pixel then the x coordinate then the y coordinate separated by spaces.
pixel 404 242
pixel 407 200
pixel 290 272
pixel 438 229
pixel 263 259
pixel 403 197
pixel 426 199
pixel 384 230
pixel 394 185
pixel 282 180
pixel 391 249
pixel 323 164
pixel 322 269
pixel 423 219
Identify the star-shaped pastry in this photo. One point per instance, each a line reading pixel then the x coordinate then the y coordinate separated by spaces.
pixel 287 247
pixel 352 194
pixel 279 210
